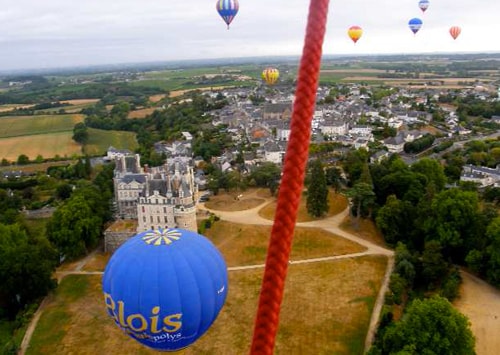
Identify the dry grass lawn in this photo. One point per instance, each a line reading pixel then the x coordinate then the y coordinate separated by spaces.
pixel 326 310
pixel 80 101
pixel 243 244
pixel 12 107
pixel 336 202
pixel 141 113
pixel 157 98
pixel 365 229
pixel 251 198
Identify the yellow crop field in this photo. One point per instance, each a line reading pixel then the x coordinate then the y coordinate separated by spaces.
pixel 47 145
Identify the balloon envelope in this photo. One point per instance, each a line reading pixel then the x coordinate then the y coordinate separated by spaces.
pixel 227 10
pixel 165 287
pixel 455 31
pixel 270 75
pixel 355 33
pixel 415 24
pixel 423 5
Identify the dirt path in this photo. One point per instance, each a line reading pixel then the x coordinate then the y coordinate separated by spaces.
pixel 36 317
pixel 331 224
pixel 480 302
pixel 251 216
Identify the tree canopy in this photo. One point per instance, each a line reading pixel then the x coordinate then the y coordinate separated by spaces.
pixel 430 326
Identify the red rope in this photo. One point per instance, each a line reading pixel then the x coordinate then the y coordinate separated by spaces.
pixel 292 182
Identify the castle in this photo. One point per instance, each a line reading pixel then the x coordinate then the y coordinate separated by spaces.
pixel 152 197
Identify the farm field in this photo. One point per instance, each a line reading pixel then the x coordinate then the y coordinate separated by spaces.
pixel 15 126
pixel 100 140
pixel 11 107
pixel 47 145
pixel 141 113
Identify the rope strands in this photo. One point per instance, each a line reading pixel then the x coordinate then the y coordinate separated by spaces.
pixel 292 182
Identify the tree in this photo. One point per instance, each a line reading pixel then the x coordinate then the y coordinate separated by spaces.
pixel 432 170
pixel 454 220
pixel 64 191
pixel 394 220
pixel 76 226
pixel 430 326
pixel 493 251
pixel 434 266
pixel 354 164
pixel 23 159
pixel 80 133
pixel 362 197
pixel 26 266
pixel 334 178
pixel 317 191
pixel 266 175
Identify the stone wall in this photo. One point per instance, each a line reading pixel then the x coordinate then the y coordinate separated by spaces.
pixel 113 239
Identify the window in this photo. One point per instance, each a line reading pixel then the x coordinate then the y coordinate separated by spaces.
pixel 164 209
pixel 143 209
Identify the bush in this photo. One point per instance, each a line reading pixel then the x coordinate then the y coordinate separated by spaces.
pixel 451 285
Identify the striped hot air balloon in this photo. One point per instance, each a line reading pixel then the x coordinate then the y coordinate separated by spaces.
pixel 423 5
pixel 355 33
pixel 270 75
pixel 227 10
pixel 455 31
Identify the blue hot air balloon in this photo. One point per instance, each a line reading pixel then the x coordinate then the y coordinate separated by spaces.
pixel 415 24
pixel 423 5
pixel 227 10
pixel 165 287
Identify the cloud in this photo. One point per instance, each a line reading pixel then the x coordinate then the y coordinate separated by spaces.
pixel 64 33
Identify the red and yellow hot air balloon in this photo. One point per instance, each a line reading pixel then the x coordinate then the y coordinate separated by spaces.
pixel 355 33
pixel 455 31
pixel 270 75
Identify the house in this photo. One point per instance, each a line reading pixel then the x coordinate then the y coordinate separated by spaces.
pixel 273 152
pixel 113 153
pixel 481 175
pixel 361 142
pixel 283 130
pixel 334 127
pixel 278 111
pixel 395 144
pixel 379 156
pixel 361 130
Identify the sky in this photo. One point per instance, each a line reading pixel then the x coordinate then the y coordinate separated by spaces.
pixel 64 33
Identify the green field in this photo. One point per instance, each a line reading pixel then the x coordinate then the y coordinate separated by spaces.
pixel 68 109
pixel 101 140
pixel 16 126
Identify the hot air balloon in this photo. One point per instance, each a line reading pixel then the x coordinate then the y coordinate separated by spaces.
pixel 270 75
pixel 165 287
pixel 423 4
pixel 227 10
pixel 415 24
pixel 355 33
pixel 455 31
